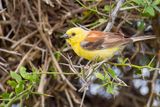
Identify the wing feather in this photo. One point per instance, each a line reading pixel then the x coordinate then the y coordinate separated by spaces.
pixel 96 40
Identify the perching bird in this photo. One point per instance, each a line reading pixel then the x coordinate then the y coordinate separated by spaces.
pixel 98 45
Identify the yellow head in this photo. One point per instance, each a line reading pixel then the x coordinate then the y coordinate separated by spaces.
pixel 75 35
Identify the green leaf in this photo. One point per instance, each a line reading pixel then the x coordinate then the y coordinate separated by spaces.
pixel 34 77
pixel 102 20
pixel 5 95
pixel 111 72
pixel 19 88
pixel 156 2
pixel 16 76
pixel 23 73
pixel 107 77
pixel 139 2
pixel 149 10
pixel 107 8
pixel 157 8
pixel 12 83
pixel 120 60
pixel 11 94
pixel 22 68
pixel 110 89
pixel 99 76
pixel 57 55
pixel 34 69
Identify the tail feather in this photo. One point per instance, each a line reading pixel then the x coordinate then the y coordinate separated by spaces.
pixel 142 38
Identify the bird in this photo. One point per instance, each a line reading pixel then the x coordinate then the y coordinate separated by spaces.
pixel 98 45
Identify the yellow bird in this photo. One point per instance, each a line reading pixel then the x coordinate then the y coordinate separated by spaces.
pixel 98 45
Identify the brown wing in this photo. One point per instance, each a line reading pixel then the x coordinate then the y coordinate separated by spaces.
pixel 101 40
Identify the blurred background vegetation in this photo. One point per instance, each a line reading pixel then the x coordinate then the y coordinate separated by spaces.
pixel 38 68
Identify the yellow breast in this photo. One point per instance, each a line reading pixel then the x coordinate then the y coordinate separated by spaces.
pixel 94 54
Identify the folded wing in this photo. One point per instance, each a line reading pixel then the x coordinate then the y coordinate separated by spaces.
pixel 101 40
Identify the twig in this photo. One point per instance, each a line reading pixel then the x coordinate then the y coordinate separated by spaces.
pixel 25 57
pixel 25 44
pixel 69 98
pixel 43 79
pixel 2 88
pixel 72 68
pixel 84 94
pixel 49 46
pixel 76 66
pixel 24 38
pixel 11 52
pixel 4 69
pixel 3 64
pixel 134 66
pixel 114 15
pixel 49 2
pixel 3 10
pixel 128 8
pixel 149 102
pixel 74 96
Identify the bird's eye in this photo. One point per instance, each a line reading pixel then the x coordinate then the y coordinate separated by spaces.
pixel 73 34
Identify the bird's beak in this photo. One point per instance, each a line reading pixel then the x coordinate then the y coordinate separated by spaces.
pixel 65 36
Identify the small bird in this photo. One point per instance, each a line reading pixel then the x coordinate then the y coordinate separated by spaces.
pixel 98 45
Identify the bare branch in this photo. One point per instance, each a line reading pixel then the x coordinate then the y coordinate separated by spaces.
pixel 113 15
